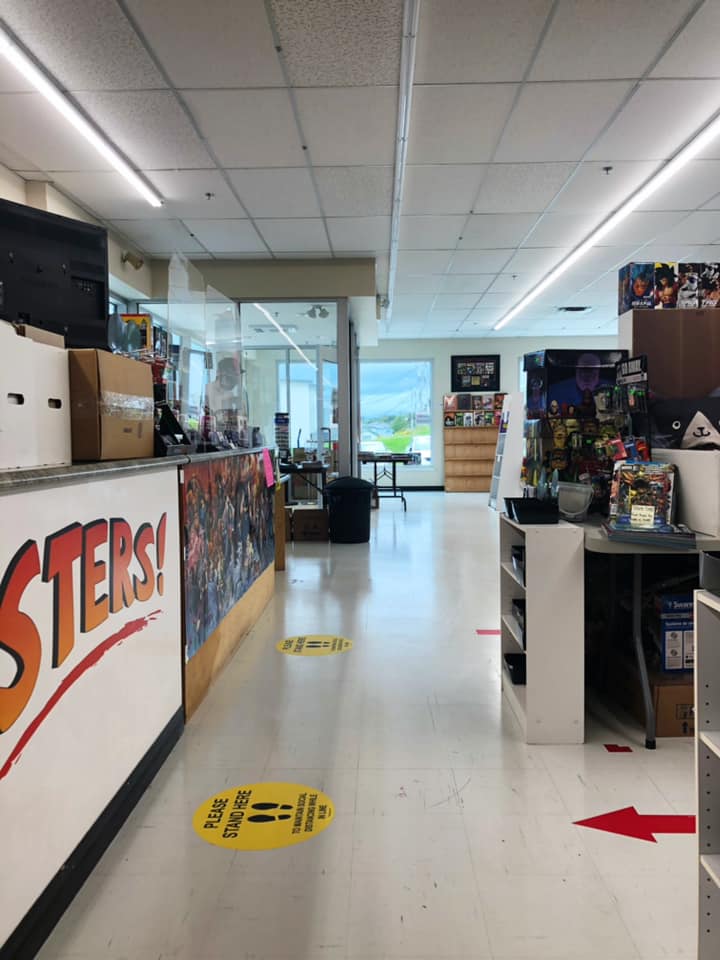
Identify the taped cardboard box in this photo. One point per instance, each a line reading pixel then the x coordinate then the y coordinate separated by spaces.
pixel 673 697
pixel 112 406
pixel 310 523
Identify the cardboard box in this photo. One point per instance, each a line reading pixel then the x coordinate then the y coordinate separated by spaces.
pixel 112 406
pixel 682 349
pixel 673 697
pixel 563 382
pixel 34 403
pixel 41 336
pixel 698 488
pixel 674 631
pixel 310 523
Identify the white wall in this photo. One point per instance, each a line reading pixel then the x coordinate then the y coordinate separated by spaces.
pixel 12 187
pixel 440 351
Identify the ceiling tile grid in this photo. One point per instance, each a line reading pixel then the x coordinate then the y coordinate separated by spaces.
pixel 522 138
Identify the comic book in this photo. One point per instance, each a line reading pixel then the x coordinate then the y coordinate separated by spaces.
pixel 477 401
pixel 688 286
pixel 468 420
pixel 666 286
pixel 642 495
pixel 710 285
pixel 463 401
pixel 450 402
pixel 449 419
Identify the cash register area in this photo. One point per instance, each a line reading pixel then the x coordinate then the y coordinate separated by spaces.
pixel 452 838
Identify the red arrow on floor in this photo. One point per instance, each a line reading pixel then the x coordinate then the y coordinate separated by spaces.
pixel 629 823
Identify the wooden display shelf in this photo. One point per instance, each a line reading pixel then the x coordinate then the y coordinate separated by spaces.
pixel 469 458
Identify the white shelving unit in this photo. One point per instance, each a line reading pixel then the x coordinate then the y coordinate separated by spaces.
pixel 509 453
pixel 550 707
pixel 707 754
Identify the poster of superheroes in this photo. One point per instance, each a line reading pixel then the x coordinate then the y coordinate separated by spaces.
pixel 229 539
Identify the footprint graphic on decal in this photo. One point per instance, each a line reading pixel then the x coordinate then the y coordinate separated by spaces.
pixel 268 817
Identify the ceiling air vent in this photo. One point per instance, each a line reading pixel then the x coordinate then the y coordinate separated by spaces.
pixel 574 309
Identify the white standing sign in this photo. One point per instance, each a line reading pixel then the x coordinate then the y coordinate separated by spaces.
pixel 90 661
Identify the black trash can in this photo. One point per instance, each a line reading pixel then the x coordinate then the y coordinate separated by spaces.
pixel 349 510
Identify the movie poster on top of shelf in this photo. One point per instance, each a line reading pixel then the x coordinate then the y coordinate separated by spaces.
pixel 475 373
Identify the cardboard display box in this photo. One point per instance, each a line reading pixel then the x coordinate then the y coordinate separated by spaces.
pixel 310 523
pixel 698 487
pixel 34 403
pixel 112 407
pixel 672 693
pixel 41 336
pixel 674 631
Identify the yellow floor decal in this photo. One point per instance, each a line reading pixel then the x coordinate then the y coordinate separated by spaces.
pixel 314 645
pixel 263 816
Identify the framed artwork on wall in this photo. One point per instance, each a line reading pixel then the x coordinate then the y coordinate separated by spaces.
pixel 475 373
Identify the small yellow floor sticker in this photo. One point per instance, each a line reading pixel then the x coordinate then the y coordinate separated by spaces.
pixel 314 645
pixel 263 816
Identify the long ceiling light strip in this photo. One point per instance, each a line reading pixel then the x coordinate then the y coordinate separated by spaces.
pixel 411 16
pixel 687 153
pixel 283 333
pixel 14 54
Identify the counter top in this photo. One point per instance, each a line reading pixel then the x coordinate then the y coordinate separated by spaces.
pixel 18 481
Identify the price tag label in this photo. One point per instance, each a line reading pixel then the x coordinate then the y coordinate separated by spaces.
pixel 642 515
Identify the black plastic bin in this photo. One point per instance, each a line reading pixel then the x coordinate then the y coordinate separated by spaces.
pixel 348 501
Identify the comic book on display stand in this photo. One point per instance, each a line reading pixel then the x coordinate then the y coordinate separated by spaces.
pixel 642 505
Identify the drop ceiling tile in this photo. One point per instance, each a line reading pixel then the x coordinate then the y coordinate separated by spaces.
pixel 415 305
pixel 643 227
pixel 591 189
pixel 331 44
pixel 280 192
pixel 298 236
pixel 15 161
pixel 428 233
pixel 521 187
pixel 479 261
pixel 184 193
pixel 88 45
pixel 559 121
pixel 700 227
pixel 441 188
pixel 467 283
pixel 463 41
pixel 158 236
pixel 496 230
pixel 151 128
pixel 563 229
pixel 514 284
pixel 690 103
pixel 108 195
pixel 355 191
pixel 576 46
pixel 697 185
pixel 235 123
pixel 432 283
pixel 694 53
pixel 359 234
pixel 227 235
pixel 536 261
pixel 458 123
pixel 499 301
pixel 456 301
pixel 447 318
pixel 39 137
pixel 418 262
pixel 349 126
pixel 218 44
pixel 609 257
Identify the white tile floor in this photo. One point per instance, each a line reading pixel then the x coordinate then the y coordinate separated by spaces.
pixel 452 838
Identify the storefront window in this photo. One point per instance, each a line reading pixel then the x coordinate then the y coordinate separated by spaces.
pixel 395 407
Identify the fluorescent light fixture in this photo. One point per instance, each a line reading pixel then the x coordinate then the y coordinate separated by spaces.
pixel 280 330
pixel 15 55
pixel 687 153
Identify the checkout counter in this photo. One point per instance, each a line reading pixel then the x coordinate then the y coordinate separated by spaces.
pixel 96 659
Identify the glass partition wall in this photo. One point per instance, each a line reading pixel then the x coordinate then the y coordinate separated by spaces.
pixel 233 366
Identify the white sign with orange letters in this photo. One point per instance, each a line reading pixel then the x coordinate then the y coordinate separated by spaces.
pixel 90 664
